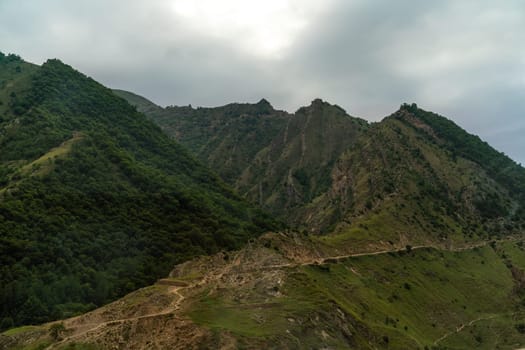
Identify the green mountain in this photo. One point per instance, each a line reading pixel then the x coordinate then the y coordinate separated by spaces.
pixel 409 179
pixel 95 200
pixel 227 138
pixel 414 177
pixel 281 161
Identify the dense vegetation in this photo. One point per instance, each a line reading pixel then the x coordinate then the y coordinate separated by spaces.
pixel 226 138
pixel 462 144
pixel 283 162
pixel 414 175
pixel 400 182
pixel 95 201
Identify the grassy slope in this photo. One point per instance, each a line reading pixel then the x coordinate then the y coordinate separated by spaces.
pixel 415 190
pixel 390 301
pixel 423 299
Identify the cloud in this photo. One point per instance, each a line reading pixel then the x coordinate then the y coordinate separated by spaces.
pixel 465 60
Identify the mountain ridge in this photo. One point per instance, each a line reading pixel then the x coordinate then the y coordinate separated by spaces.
pixel 321 199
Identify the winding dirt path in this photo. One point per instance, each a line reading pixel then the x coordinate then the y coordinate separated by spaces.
pixel 176 305
pixel 172 308
pixel 331 259
pixel 462 326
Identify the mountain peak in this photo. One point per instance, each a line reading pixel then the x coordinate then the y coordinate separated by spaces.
pixel 264 103
pixel 318 105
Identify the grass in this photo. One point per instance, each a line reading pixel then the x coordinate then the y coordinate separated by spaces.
pixel 409 299
pixel 38 345
pixel 142 296
pixel 217 313
pixel 45 163
pixel 498 332
pixel 19 330
pixel 421 295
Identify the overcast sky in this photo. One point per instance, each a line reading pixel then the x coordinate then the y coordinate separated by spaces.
pixel 460 58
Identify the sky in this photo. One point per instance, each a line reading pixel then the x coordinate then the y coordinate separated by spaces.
pixel 464 59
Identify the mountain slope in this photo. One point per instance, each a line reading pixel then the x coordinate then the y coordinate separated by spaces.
pixel 288 292
pixel 280 161
pixel 95 200
pixel 413 177
pixel 226 138
pixel 422 246
pixel 294 170
pixel 401 183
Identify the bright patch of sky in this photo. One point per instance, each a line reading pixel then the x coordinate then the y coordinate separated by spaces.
pixel 262 28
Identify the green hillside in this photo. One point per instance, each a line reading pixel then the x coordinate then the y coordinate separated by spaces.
pixel 280 161
pixel 414 177
pixel 226 138
pixel 405 181
pixel 273 294
pixel 95 200
pixel 425 299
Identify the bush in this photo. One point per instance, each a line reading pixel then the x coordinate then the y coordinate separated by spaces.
pixel 520 327
pixel 56 330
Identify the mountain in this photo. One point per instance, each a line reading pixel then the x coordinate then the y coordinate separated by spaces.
pixel 95 200
pixel 227 138
pixel 403 234
pixel 278 160
pixel 407 179
pixel 413 177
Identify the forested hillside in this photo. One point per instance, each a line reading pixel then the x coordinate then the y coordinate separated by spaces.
pixel 404 180
pixel 95 201
pixel 415 176
pixel 280 161
pixel 406 233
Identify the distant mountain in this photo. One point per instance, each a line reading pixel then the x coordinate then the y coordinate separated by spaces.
pixel 406 179
pixel 95 200
pixel 415 176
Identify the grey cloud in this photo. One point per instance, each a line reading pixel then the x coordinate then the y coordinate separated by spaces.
pixel 464 60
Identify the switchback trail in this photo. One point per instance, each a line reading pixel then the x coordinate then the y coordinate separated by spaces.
pixel 173 307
